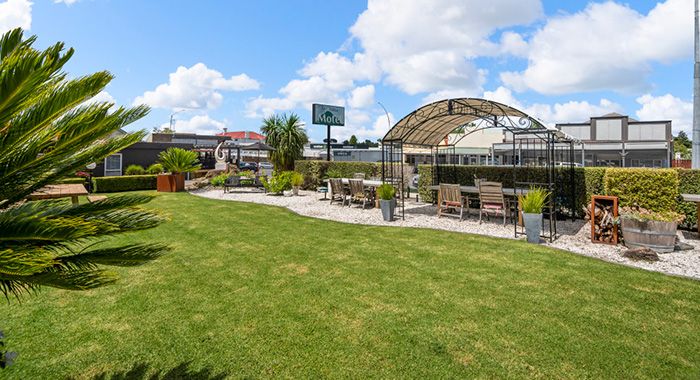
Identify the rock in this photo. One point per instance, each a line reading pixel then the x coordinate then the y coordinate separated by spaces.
pixel 682 246
pixel 644 253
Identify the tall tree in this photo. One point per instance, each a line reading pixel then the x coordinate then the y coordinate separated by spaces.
pixel 285 134
pixel 47 132
pixel 353 140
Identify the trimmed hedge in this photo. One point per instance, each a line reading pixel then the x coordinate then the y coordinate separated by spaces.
pixel 688 183
pixel 652 189
pixel 314 171
pixel 124 183
pixel 72 180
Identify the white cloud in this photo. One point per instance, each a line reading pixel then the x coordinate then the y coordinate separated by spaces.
pixel 605 46
pixel 200 124
pixel 362 97
pixel 15 14
pixel 195 87
pixel 262 107
pixel 667 107
pixel 356 124
pixel 428 45
pixel 67 2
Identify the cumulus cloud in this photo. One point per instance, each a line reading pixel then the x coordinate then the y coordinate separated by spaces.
pixel 357 124
pixel 15 14
pixel 67 2
pixel 200 124
pixel 667 107
pixel 605 46
pixel 362 97
pixel 195 87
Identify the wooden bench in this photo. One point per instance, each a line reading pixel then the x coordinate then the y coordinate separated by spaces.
pixel 95 198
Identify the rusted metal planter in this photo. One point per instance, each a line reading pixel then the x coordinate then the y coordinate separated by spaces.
pixel 170 183
pixel 656 235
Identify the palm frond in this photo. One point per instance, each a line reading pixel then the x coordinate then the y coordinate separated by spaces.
pixel 20 263
pixel 124 256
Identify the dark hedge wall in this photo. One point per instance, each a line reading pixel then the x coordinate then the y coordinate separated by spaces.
pixel 124 183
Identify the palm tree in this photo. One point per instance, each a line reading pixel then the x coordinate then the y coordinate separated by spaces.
pixel 47 132
pixel 285 134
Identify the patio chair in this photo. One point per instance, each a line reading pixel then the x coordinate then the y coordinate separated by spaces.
pixel 232 182
pixel 358 192
pixel 491 199
pixel 338 192
pixel 451 199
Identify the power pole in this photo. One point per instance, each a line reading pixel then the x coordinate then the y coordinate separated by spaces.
pixel 696 93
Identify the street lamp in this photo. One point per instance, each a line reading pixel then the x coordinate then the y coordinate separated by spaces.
pixel 171 118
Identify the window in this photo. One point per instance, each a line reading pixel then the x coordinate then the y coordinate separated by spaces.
pixel 608 129
pixel 641 132
pixel 581 132
pixel 113 165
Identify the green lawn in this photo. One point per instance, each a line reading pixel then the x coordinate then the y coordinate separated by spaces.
pixel 255 291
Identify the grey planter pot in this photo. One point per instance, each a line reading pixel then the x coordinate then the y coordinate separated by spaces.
pixel 295 190
pixel 387 207
pixel 533 227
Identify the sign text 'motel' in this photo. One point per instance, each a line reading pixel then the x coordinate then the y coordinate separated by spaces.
pixel 324 114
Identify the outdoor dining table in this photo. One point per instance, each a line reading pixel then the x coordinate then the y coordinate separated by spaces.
pixel 59 191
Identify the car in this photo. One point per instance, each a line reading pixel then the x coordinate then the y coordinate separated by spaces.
pixel 248 166
pixel 266 165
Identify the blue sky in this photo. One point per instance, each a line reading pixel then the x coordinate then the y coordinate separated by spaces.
pixel 227 64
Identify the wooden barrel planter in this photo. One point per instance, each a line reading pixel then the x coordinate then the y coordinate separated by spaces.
pixel 656 235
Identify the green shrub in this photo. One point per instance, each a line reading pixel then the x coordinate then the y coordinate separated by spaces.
pixel 219 180
pixel 297 179
pixel 178 160
pixel 533 202
pixel 155 169
pixel 124 183
pixel 594 182
pixel 315 171
pixel 279 182
pixel 386 192
pixel 652 189
pixel 72 180
pixel 689 183
pixel 333 173
pixel 643 215
pixel 135 170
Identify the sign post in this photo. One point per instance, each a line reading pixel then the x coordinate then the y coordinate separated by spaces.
pixel 323 114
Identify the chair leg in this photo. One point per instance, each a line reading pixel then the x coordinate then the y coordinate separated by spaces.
pixel 481 211
pixel 461 210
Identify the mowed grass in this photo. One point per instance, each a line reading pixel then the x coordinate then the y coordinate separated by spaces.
pixel 256 291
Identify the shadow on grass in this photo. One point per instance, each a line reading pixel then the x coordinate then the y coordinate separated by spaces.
pixel 142 371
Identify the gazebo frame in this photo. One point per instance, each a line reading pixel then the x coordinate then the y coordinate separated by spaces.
pixel 439 126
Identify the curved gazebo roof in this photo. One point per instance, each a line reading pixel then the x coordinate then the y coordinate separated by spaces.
pixel 430 124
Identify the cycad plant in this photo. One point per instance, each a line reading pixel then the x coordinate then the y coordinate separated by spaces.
pixel 178 160
pixel 285 134
pixel 47 132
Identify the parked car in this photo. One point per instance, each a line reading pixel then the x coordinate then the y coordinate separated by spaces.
pixel 248 166
pixel 266 165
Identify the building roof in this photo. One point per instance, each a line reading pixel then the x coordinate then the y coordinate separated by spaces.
pixel 243 135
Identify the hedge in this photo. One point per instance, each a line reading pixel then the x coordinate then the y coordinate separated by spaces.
pixel 652 189
pixel 72 180
pixel 314 171
pixel 124 183
pixel 688 183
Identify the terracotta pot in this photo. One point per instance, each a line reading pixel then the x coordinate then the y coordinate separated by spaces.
pixel 170 183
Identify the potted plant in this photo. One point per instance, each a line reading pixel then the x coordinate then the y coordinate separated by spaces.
pixel 532 204
pixel 297 181
pixel 387 202
pixel 176 162
pixel 645 228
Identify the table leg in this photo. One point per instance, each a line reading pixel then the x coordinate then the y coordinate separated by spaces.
pixel 74 199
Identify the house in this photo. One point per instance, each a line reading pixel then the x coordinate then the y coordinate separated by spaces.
pixel 140 153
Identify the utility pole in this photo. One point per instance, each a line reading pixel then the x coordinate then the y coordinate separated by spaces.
pixel 696 93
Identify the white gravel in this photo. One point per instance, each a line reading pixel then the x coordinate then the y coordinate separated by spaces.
pixel 573 236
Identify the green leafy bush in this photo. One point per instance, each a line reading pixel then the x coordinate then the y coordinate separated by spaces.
pixel 219 180
pixel 124 183
pixel 72 180
pixel 688 183
pixel 386 192
pixel 155 169
pixel 651 189
pixel 533 202
pixel 279 182
pixel 297 179
pixel 135 170
pixel 641 214
pixel 333 173
pixel 178 160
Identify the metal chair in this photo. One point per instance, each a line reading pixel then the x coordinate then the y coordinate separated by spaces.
pixel 232 182
pixel 491 199
pixel 357 192
pixel 338 193
pixel 450 199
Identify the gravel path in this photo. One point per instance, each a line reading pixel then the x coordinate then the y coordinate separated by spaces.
pixel 573 236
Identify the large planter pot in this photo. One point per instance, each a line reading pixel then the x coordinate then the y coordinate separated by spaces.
pixel 533 227
pixel 295 190
pixel 170 183
pixel 388 207
pixel 656 235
